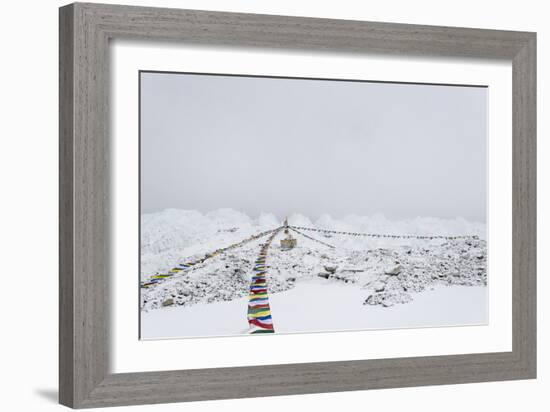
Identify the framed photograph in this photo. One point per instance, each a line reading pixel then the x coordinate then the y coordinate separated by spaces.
pixel 246 224
pixel 360 197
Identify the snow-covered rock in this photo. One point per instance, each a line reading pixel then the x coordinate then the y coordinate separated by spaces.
pixel 396 270
pixel 388 270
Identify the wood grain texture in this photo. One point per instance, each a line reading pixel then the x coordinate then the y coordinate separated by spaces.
pixel 66 228
pixel 524 206
pixel 85 31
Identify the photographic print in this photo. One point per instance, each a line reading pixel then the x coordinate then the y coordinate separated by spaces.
pixel 297 205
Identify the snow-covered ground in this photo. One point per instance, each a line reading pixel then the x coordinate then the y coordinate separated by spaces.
pixel 313 307
pixel 362 283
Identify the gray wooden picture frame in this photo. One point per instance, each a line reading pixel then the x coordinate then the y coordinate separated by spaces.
pixel 85 31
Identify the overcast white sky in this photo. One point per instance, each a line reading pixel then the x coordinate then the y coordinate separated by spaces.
pixel 312 147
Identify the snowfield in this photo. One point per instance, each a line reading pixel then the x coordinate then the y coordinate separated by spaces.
pixel 361 283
